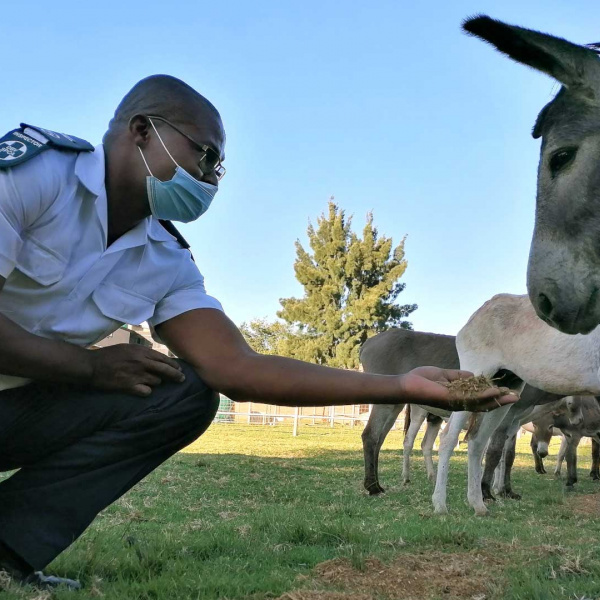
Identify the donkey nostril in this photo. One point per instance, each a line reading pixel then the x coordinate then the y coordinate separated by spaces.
pixel 544 304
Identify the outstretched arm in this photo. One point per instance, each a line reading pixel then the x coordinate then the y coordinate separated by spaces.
pixel 212 344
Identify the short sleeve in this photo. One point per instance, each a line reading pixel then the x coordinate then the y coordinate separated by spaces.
pixel 26 191
pixel 186 293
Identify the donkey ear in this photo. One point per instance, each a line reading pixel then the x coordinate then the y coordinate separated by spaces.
pixel 576 67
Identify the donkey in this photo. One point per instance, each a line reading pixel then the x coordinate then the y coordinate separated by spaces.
pixel 390 353
pixel 542 428
pixel 542 431
pixel 572 432
pixel 379 424
pixel 505 337
pixel 563 278
pixel 500 455
pixel 400 350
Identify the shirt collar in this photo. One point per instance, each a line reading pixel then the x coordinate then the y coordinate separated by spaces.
pixel 90 170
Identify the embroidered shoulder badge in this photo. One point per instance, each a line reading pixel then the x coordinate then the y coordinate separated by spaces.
pixel 20 145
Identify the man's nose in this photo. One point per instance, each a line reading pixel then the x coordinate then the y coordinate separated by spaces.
pixel 211 178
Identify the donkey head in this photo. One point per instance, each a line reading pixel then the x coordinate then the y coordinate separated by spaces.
pixel 563 277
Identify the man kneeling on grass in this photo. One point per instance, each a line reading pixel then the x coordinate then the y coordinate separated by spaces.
pixel 86 244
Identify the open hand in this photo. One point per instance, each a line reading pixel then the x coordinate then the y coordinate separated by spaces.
pixel 424 385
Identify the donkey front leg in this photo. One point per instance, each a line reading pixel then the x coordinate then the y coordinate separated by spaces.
pixel 561 456
pixel 537 459
pixel 477 444
pixel 510 450
pixel 571 455
pixel 502 441
pixel 433 428
pixel 448 442
pixel 417 416
pixel 493 461
pixel 382 417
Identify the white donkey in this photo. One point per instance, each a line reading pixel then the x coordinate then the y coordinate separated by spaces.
pixel 506 337
pixel 400 350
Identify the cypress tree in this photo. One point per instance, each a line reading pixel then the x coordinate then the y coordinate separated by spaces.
pixel 351 285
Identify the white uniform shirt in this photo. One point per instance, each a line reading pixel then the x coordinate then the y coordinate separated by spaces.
pixel 62 282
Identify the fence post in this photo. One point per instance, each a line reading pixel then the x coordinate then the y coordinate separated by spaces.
pixel 331 416
pixel 249 411
pixel 295 429
pixel 353 416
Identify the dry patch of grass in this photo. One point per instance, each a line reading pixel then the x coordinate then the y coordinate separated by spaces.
pixel 587 505
pixel 314 595
pixel 408 577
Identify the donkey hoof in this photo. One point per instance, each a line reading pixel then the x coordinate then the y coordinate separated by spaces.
pixel 488 497
pixel 440 509
pixel 511 495
pixel 595 475
pixel 481 511
pixel 569 487
pixel 374 488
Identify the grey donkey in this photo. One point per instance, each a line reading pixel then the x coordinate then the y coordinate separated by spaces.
pixel 563 278
pixel 572 430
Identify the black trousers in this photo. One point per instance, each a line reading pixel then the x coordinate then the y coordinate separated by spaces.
pixel 78 450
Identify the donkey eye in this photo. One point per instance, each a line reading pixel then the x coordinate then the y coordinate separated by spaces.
pixel 560 159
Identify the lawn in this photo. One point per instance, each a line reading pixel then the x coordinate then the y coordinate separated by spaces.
pixel 249 511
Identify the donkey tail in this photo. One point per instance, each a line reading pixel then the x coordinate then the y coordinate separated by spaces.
pixel 473 426
pixel 407 419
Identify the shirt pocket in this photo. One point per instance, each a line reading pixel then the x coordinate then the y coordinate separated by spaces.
pixel 123 305
pixel 40 263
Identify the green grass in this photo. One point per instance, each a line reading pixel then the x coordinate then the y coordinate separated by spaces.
pixel 250 511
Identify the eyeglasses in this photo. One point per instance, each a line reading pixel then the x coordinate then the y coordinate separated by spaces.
pixel 209 162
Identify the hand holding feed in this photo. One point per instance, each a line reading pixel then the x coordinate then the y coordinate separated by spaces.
pixel 454 390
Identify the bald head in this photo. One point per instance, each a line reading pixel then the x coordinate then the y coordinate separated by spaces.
pixel 187 134
pixel 164 96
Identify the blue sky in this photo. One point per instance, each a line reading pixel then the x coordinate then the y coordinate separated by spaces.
pixel 386 105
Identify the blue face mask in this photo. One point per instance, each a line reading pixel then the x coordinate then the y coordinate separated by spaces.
pixel 183 198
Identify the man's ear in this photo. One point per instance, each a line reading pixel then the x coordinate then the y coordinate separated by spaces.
pixel 139 128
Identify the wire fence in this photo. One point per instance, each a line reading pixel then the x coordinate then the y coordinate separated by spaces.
pixel 251 413
pixel 351 416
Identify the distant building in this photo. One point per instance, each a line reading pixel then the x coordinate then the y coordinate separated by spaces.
pixel 134 334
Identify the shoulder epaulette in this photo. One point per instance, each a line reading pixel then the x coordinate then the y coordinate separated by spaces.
pixel 19 145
